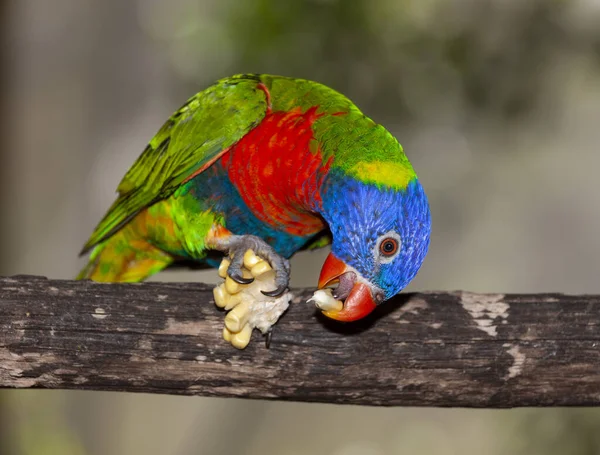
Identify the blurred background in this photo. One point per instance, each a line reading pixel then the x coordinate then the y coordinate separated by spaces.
pixel 496 102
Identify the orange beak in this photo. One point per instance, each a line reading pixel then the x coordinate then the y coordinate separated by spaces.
pixel 359 302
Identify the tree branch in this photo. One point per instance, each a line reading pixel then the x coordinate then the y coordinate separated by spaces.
pixel 429 349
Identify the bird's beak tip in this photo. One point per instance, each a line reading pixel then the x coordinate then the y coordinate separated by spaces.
pixel 360 301
pixel 357 305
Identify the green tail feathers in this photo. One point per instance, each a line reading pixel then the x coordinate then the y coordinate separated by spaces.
pixel 121 259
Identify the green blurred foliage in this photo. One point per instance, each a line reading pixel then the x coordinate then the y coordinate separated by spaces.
pixel 559 431
pixel 37 427
pixel 400 58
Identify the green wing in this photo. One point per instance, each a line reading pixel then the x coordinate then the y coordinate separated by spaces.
pixel 189 142
pixel 320 241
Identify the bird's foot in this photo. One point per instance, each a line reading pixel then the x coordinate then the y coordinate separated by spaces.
pixel 238 246
pixel 248 306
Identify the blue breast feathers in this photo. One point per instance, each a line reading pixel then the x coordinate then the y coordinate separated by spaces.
pixel 215 192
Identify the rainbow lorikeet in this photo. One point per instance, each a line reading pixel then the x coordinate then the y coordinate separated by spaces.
pixel 273 165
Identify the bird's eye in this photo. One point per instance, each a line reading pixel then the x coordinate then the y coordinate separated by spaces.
pixel 388 247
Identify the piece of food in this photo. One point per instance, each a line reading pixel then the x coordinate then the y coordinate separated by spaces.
pixel 325 301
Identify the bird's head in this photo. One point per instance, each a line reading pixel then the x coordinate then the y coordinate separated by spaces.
pixel 380 238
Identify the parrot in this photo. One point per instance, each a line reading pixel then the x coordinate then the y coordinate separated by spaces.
pixel 275 165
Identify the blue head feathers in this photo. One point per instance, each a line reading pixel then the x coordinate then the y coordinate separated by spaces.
pixel 381 233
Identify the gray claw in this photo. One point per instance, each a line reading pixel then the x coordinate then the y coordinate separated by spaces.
pixel 275 292
pixel 240 279
pixel 235 267
pixel 268 338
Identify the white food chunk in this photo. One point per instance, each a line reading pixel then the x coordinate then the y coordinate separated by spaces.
pixel 325 301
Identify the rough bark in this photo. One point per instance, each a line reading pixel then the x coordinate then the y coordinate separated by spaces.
pixel 427 349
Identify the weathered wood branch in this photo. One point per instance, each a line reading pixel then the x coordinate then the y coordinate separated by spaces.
pixel 429 349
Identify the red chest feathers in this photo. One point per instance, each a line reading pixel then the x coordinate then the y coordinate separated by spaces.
pixel 277 174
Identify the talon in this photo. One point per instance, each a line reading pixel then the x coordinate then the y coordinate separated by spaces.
pixel 268 337
pixel 240 279
pixel 276 292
